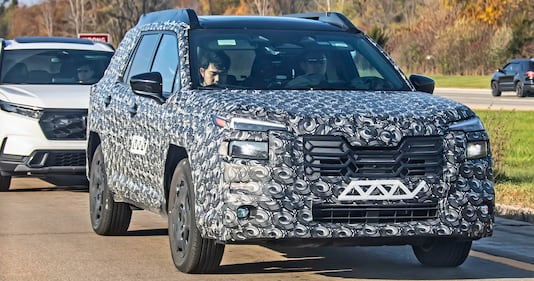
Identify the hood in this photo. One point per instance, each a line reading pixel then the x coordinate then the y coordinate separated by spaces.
pixel 47 96
pixel 360 114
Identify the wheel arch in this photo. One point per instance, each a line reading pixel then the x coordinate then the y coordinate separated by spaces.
pixel 93 140
pixel 174 155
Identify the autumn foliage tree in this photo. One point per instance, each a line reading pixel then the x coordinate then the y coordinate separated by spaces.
pixel 426 36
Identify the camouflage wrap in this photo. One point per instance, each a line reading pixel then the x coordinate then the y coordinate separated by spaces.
pixel 279 189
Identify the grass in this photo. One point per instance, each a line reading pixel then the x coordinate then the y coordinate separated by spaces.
pixel 457 81
pixel 512 144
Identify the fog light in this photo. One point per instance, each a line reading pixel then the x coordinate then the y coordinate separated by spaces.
pixel 243 212
pixel 249 149
pixel 477 149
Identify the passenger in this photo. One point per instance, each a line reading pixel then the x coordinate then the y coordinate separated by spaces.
pixel 214 68
pixel 86 73
pixel 314 66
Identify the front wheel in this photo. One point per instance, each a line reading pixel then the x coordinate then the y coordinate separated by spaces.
pixel 190 252
pixel 519 90
pixel 495 91
pixel 5 182
pixel 442 252
pixel 107 216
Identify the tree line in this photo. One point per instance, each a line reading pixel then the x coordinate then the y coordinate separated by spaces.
pixel 466 37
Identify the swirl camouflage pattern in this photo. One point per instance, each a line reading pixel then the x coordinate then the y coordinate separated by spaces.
pixel 295 193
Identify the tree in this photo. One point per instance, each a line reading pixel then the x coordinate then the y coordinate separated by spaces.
pixel 5 8
pixel 47 16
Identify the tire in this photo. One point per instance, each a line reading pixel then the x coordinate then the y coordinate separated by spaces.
pixel 107 216
pixel 519 90
pixel 5 182
pixel 495 91
pixel 190 252
pixel 442 252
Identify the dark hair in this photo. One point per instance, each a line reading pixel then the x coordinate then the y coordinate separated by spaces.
pixel 217 58
pixel 313 54
pixel 88 63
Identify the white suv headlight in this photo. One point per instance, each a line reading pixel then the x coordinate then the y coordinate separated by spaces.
pixel 28 111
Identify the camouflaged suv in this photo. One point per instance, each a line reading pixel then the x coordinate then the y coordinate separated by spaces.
pixel 358 155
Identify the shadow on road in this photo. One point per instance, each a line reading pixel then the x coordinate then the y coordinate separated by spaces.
pixel 80 188
pixel 392 263
pixel 147 232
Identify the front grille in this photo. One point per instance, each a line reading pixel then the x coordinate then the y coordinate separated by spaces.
pixel 351 214
pixel 334 156
pixel 64 124
pixel 42 159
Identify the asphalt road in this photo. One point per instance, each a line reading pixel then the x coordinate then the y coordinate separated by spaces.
pixel 45 234
pixel 482 99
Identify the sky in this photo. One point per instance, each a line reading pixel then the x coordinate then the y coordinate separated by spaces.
pixel 28 2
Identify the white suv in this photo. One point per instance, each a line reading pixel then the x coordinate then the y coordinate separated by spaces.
pixel 43 104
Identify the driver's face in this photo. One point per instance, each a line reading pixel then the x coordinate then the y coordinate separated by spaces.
pixel 213 75
pixel 315 65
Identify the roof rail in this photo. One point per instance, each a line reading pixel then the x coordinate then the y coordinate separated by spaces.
pixel 52 39
pixel 334 18
pixel 187 15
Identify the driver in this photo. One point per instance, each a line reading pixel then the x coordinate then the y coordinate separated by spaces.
pixel 314 66
pixel 214 68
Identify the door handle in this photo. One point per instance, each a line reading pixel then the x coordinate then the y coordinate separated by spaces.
pixel 133 110
pixel 107 100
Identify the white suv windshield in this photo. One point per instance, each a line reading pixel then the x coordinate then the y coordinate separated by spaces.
pixel 53 66
pixel 290 59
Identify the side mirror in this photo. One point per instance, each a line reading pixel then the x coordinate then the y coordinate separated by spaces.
pixel 500 70
pixel 149 85
pixel 423 83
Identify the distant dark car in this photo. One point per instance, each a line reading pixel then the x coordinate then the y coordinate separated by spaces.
pixel 517 75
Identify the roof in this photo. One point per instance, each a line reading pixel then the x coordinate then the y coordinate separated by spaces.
pixel 264 22
pixel 325 21
pixel 44 39
pixel 43 42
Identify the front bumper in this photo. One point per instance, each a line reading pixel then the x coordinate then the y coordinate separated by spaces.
pixel 44 162
pixel 285 202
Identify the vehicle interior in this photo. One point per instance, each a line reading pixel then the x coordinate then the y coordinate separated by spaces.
pixel 39 66
pixel 260 60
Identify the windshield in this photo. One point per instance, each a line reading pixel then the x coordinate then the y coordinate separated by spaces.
pixel 289 59
pixel 47 66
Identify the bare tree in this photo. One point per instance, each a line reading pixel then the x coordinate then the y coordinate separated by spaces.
pixel 77 14
pixel 47 16
pixel 261 7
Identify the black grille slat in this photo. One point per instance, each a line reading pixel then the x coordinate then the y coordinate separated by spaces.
pixel 351 214
pixel 68 124
pixel 414 156
pixel 65 159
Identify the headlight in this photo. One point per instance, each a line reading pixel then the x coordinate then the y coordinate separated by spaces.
pixel 29 111
pixel 248 149
pixel 245 124
pixel 470 125
pixel 477 149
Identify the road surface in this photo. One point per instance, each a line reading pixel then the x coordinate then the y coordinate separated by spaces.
pixel 45 234
pixel 482 99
